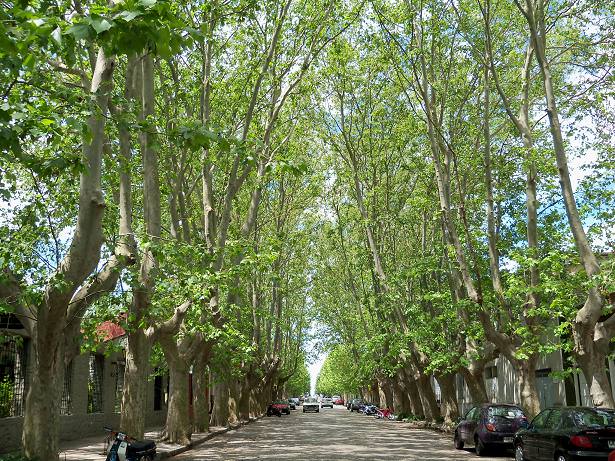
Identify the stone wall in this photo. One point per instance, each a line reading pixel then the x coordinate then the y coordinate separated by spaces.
pixel 79 423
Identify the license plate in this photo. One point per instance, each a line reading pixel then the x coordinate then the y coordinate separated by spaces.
pixel 611 443
pixel 508 439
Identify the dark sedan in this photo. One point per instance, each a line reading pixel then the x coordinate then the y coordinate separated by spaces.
pixel 355 404
pixel 489 426
pixel 567 434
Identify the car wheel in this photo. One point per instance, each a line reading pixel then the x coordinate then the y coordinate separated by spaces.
pixel 519 453
pixel 458 442
pixel 481 448
pixel 562 457
pixel 279 415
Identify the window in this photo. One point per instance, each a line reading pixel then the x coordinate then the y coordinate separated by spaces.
pixel 506 412
pixel 491 372
pixel 65 404
pixel 554 419
pixel 12 376
pixel 593 418
pixel 471 414
pixel 540 421
pixel 95 383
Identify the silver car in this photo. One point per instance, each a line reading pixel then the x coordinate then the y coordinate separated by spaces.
pixel 326 402
pixel 311 404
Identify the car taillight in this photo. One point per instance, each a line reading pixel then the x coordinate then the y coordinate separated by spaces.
pixel 581 441
pixel 490 427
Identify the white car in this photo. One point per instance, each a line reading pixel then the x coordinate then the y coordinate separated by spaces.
pixel 311 404
pixel 326 402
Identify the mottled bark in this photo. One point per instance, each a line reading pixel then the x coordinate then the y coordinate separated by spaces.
pixel 449 407
pixel 41 417
pixel 200 400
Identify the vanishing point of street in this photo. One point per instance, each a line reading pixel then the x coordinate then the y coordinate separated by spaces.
pixel 335 434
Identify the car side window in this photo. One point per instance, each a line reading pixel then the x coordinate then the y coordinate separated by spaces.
pixel 476 415
pixel 470 414
pixel 554 419
pixel 540 420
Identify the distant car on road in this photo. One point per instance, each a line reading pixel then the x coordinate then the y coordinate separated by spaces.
pixel 282 406
pixel 569 433
pixel 291 404
pixel 489 426
pixel 295 400
pixel 355 404
pixel 311 404
pixel 338 401
pixel 326 402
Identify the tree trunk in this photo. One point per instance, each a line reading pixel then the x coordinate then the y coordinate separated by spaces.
pixel 476 385
pixel 526 379
pixel 401 403
pixel 233 402
pixel 387 392
pixel 414 397
pixel 42 413
pixel 200 400
pixel 449 407
pixel 428 398
pixel 178 427
pixel 134 394
pixel 594 369
pixel 220 415
pixel 245 398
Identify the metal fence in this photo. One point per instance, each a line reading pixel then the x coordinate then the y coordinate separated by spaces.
pixel 120 368
pixel 65 404
pixel 95 383
pixel 13 382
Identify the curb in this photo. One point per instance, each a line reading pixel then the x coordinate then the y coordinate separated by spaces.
pixel 196 443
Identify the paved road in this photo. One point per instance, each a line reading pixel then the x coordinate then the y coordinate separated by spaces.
pixel 330 435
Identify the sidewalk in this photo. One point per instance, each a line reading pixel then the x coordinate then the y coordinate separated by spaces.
pixel 92 448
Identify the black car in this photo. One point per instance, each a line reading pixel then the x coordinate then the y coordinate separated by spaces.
pixel 489 426
pixel 355 404
pixel 567 434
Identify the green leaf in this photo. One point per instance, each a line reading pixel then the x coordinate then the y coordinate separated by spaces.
pixel 56 35
pixel 128 15
pixel 101 25
pixel 80 31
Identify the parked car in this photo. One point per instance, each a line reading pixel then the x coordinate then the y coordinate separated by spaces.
pixel 311 404
pixel 291 404
pixel 489 426
pixel 567 434
pixel 337 400
pixel 296 401
pixel 355 404
pixel 283 406
pixel 326 402
pixel 273 410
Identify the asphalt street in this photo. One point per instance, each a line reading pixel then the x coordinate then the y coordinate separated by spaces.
pixel 332 434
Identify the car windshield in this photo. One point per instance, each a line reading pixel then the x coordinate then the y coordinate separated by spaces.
pixel 506 412
pixel 311 400
pixel 592 418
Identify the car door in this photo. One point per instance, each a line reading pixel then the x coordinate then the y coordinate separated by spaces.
pixel 532 435
pixel 464 430
pixel 547 442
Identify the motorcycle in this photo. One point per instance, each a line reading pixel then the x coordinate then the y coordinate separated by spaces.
pixel 124 448
pixel 368 409
pixel 385 413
